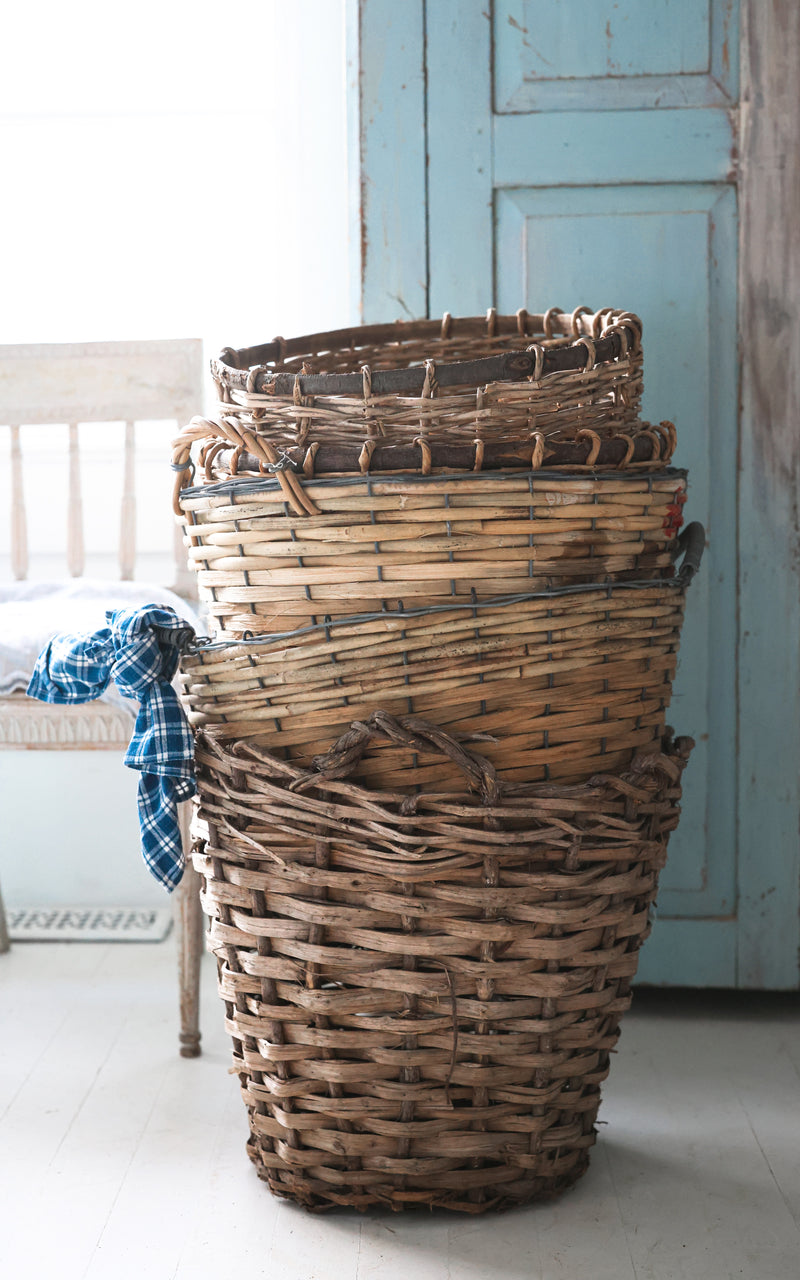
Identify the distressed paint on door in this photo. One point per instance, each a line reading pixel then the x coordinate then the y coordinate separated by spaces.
pixel 678 271
pixel 512 150
pixel 556 56
pixel 386 155
pixel 622 203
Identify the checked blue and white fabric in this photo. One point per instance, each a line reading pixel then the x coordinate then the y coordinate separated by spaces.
pixel 140 650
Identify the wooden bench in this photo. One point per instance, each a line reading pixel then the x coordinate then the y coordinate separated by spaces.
pixel 100 382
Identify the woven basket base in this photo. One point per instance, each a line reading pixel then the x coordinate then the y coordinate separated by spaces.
pixel 318 1197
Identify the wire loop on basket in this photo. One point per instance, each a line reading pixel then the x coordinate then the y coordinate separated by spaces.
pixel 538 355
pixel 575 319
pixel 594 445
pixel 591 353
pixel 549 319
pixel 537 457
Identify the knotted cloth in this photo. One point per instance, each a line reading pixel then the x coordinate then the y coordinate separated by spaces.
pixel 140 650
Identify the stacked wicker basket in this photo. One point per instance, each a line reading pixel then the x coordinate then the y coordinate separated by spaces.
pixel 435 776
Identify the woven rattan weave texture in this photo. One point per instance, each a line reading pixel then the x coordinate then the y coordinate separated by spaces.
pixel 568 683
pixel 414 541
pixel 495 379
pixel 423 991
pixel 557 389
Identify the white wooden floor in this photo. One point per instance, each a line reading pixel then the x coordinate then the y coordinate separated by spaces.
pixel 119 1159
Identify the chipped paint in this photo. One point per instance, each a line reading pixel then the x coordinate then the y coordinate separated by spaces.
pixel 769 808
pixel 387 139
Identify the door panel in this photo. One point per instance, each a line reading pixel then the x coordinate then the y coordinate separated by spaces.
pixel 568 148
pixel 668 253
pixel 555 56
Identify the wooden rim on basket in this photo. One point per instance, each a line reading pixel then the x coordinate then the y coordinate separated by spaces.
pixel 586 340
pixel 227 446
pixel 649 447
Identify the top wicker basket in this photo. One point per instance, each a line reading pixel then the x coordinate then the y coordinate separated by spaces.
pixel 450 382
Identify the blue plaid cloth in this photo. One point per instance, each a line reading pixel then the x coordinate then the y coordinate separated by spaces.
pixel 140 650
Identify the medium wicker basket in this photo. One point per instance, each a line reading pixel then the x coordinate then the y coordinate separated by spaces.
pixel 423 992
pixel 550 390
pixel 496 378
pixel 566 683
pixel 413 541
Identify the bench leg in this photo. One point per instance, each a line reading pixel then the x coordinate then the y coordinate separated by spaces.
pixel 189 925
pixel 5 944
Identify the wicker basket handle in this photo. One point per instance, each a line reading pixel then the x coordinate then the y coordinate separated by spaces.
pixel 407 731
pixel 271 461
pixel 690 545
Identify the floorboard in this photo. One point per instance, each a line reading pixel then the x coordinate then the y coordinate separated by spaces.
pixel 123 1161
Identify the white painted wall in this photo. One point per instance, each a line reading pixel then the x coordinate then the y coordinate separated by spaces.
pixel 175 169
pixel 70 831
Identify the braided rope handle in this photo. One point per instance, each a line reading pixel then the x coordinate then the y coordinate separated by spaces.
pixel 420 735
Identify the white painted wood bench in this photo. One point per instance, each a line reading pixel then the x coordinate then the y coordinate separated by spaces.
pixel 74 384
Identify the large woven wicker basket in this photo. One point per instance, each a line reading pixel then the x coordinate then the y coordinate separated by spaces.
pixel 413 541
pixel 423 992
pixel 567 682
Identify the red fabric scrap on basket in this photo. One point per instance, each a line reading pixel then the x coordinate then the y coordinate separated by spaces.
pixel 674 517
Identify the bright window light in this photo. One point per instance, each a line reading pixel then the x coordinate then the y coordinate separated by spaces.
pixel 173 168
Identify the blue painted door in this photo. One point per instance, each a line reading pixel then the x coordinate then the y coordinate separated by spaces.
pixel 584 152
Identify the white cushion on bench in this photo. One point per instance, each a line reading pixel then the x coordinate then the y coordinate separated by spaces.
pixel 31 613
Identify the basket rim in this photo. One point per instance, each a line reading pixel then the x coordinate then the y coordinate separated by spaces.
pixel 599 337
pixel 691 549
pixel 269 483
pixel 623 452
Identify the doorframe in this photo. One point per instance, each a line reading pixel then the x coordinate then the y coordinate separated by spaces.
pixel 769 490
pixel 390 273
